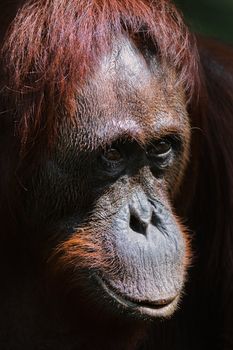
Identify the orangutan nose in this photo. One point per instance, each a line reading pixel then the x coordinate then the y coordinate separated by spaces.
pixel 141 213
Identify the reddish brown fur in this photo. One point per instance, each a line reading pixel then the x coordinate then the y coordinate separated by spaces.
pixel 46 64
pixel 41 75
pixel 80 250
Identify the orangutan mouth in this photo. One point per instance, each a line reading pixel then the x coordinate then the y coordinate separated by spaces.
pixel 152 308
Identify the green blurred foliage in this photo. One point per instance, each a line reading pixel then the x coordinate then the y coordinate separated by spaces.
pixel 213 18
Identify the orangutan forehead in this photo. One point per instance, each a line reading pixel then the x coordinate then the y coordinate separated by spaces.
pixel 59 53
pixel 124 64
pixel 128 68
pixel 129 96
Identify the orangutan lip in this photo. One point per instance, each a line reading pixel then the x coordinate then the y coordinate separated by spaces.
pixel 151 308
pixel 155 304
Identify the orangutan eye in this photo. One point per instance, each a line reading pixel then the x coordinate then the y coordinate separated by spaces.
pixel 159 149
pixel 112 161
pixel 112 155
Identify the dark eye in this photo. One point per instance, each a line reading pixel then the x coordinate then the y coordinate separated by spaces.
pixel 160 149
pixel 112 161
pixel 112 155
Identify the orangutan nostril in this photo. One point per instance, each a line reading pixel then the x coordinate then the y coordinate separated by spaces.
pixel 137 225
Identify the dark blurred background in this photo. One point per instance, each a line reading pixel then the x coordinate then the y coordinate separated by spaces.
pixel 213 18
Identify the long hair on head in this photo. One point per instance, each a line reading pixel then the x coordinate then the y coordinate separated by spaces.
pixel 51 47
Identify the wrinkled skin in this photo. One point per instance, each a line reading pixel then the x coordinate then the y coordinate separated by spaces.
pixel 111 180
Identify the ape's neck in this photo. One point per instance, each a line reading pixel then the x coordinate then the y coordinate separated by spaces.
pixel 112 337
pixel 34 320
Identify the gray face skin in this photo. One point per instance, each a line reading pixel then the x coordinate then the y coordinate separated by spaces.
pixel 110 183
